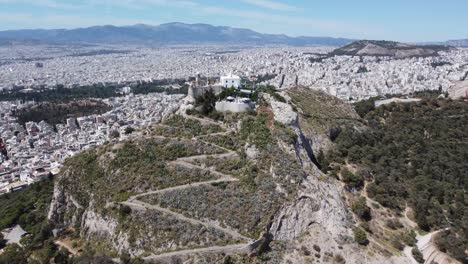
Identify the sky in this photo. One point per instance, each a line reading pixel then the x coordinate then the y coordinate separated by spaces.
pixel 399 20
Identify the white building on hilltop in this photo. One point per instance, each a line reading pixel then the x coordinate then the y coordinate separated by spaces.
pixel 231 81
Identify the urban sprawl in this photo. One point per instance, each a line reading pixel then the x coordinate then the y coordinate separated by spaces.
pixel 33 151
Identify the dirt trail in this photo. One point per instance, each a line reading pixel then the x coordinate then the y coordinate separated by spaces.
pixel 201 157
pixel 136 204
pixel 215 249
pixel 66 245
pixel 181 187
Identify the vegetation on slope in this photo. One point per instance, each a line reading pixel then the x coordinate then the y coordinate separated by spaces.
pixel 320 112
pixel 61 94
pixel 155 231
pixel 112 173
pixel 416 154
pixel 129 168
pixel 249 204
pixel 28 208
pixel 179 127
pixel 57 113
pixel 230 203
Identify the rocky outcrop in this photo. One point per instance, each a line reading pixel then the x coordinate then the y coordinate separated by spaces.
pixel 318 214
pixel 64 209
pixel 318 201
pixel 283 112
pixel 65 212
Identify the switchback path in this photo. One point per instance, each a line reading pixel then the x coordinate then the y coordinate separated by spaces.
pixel 205 156
pixel 136 204
pixel 181 187
pixel 236 248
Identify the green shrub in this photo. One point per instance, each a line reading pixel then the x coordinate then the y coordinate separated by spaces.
pixel 317 248
pixel 129 130
pixel 13 253
pixel 338 259
pixel 352 180
pixel 125 210
pixel 256 131
pixel 410 238
pixel 2 241
pixel 396 243
pixel 360 236
pixel 417 255
pixel 361 209
pixel 394 224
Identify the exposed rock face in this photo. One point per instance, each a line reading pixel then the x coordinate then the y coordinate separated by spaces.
pixel 62 204
pixel 283 112
pixel 251 152
pixel 316 204
pixel 66 212
pixel 459 90
pixel 318 201
pixel 318 214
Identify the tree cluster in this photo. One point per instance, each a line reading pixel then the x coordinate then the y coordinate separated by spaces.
pixel 57 113
pixel 417 154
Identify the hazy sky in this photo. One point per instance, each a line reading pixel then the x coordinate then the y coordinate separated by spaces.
pixel 402 20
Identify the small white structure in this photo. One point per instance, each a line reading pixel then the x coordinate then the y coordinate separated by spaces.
pixel 231 81
pixel 234 105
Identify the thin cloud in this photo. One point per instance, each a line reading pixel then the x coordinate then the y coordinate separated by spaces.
pixel 141 4
pixel 43 3
pixel 277 6
pixel 279 24
pixel 23 20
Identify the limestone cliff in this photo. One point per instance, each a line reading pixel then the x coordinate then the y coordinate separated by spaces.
pixel 318 214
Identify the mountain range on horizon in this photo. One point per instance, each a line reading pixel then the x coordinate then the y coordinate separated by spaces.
pixel 164 34
pixel 172 33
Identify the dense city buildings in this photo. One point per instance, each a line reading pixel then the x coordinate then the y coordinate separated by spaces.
pixel 344 76
pixel 36 149
pixel 39 149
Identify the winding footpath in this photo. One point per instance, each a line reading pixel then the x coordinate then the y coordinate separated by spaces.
pixel 134 202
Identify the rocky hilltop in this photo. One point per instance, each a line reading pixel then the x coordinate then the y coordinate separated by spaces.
pixel 388 49
pixel 248 189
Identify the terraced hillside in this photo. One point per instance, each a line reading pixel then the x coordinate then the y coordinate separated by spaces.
pixel 185 186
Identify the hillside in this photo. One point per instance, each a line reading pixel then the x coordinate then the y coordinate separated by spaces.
pixel 410 158
pixel 246 187
pixel 388 49
pixel 289 183
pixel 164 34
pixel 166 164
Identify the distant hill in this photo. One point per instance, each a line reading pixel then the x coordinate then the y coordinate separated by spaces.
pixel 458 43
pixel 164 34
pixel 388 49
